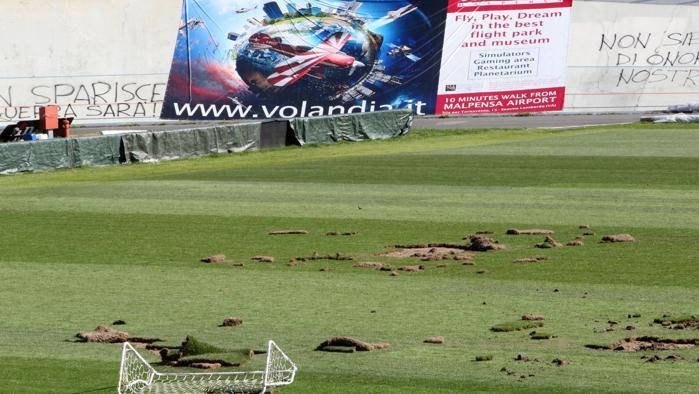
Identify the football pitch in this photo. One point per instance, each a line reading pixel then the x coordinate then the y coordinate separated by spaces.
pixel 90 246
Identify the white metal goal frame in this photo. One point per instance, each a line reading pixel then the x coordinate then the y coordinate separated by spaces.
pixel 136 375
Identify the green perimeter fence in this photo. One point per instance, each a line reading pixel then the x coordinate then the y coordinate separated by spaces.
pixel 169 145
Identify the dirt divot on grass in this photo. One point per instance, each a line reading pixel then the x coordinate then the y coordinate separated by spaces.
pixel 679 322
pixel 370 265
pixel 219 258
pixel 617 238
pixel 288 232
pixel 481 243
pixel 349 342
pixel 412 268
pixel 438 340
pixel 530 260
pixel 316 256
pixel 578 241
pixel 530 231
pixel 549 243
pixel 341 234
pixel 431 252
pixel 532 317
pixel 232 322
pixel 106 334
pixel 517 326
pixel 641 344
pixel 263 259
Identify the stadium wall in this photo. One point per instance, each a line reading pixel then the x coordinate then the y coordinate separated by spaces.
pixel 109 60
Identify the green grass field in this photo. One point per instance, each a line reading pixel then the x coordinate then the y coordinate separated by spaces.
pixel 86 247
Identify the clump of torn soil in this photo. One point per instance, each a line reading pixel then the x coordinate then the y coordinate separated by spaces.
pixel 412 268
pixel 679 322
pixel 656 358
pixel 531 231
pixel 370 265
pixel 431 252
pixel 517 326
pixel 532 317
pixel 263 259
pixel 615 238
pixel 584 226
pixel 288 232
pixel 193 353
pixel 106 334
pixel 530 260
pixel 337 256
pixel 549 243
pixel 341 234
pixel 578 241
pixel 560 362
pixel 640 344
pixel 438 340
pixel 119 322
pixel 481 243
pixel 219 258
pixel 232 322
pixel 336 344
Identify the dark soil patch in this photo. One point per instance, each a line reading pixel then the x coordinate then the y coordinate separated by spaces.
pixel 584 227
pixel 532 317
pixel 688 322
pixel 193 351
pixel 119 322
pixel 560 362
pixel 549 243
pixel 337 256
pixel 341 234
pixel 539 336
pixel 349 342
pixel 412 268
pixel 481 243
pixel 589 233
pixel 618 238
pixel 531 231
pixel 219 258
pixel 232 322
pixel 656 358
pixel 530 260
pixel 487 357
pixel 288 232
pixel 640 344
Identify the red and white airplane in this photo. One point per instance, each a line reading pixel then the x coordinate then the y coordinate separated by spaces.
pixel 303 60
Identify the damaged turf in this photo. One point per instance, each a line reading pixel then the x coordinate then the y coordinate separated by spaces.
pixel 349 342
pixel 640 344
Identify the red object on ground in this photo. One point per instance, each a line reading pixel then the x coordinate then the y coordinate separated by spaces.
pixel 48 117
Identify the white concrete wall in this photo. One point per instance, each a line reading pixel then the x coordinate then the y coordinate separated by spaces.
pixel 109 59
pixel 98 59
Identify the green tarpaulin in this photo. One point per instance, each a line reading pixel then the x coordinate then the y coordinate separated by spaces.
pixel 354 127
pixel 169 145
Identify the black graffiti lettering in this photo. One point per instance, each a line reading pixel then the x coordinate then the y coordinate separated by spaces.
pixel 106 89
pixel 7 98
pixel 140 110
pixel 85 95
pixel 93 110
pixel 122 109
pixel 138 92
pixel 124 88
pixel 44 98
pixel 62 90
pixel 625 41
pixel 157 95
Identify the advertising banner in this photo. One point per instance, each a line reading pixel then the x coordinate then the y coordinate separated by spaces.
pixel 504 56
pixel 257 59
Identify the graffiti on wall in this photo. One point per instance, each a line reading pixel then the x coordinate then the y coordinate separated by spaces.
pixel 647 58
pixel 96 99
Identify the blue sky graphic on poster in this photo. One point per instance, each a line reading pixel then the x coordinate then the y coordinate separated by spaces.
pixel 271 59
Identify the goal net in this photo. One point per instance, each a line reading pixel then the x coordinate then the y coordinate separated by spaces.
pixel 136 375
